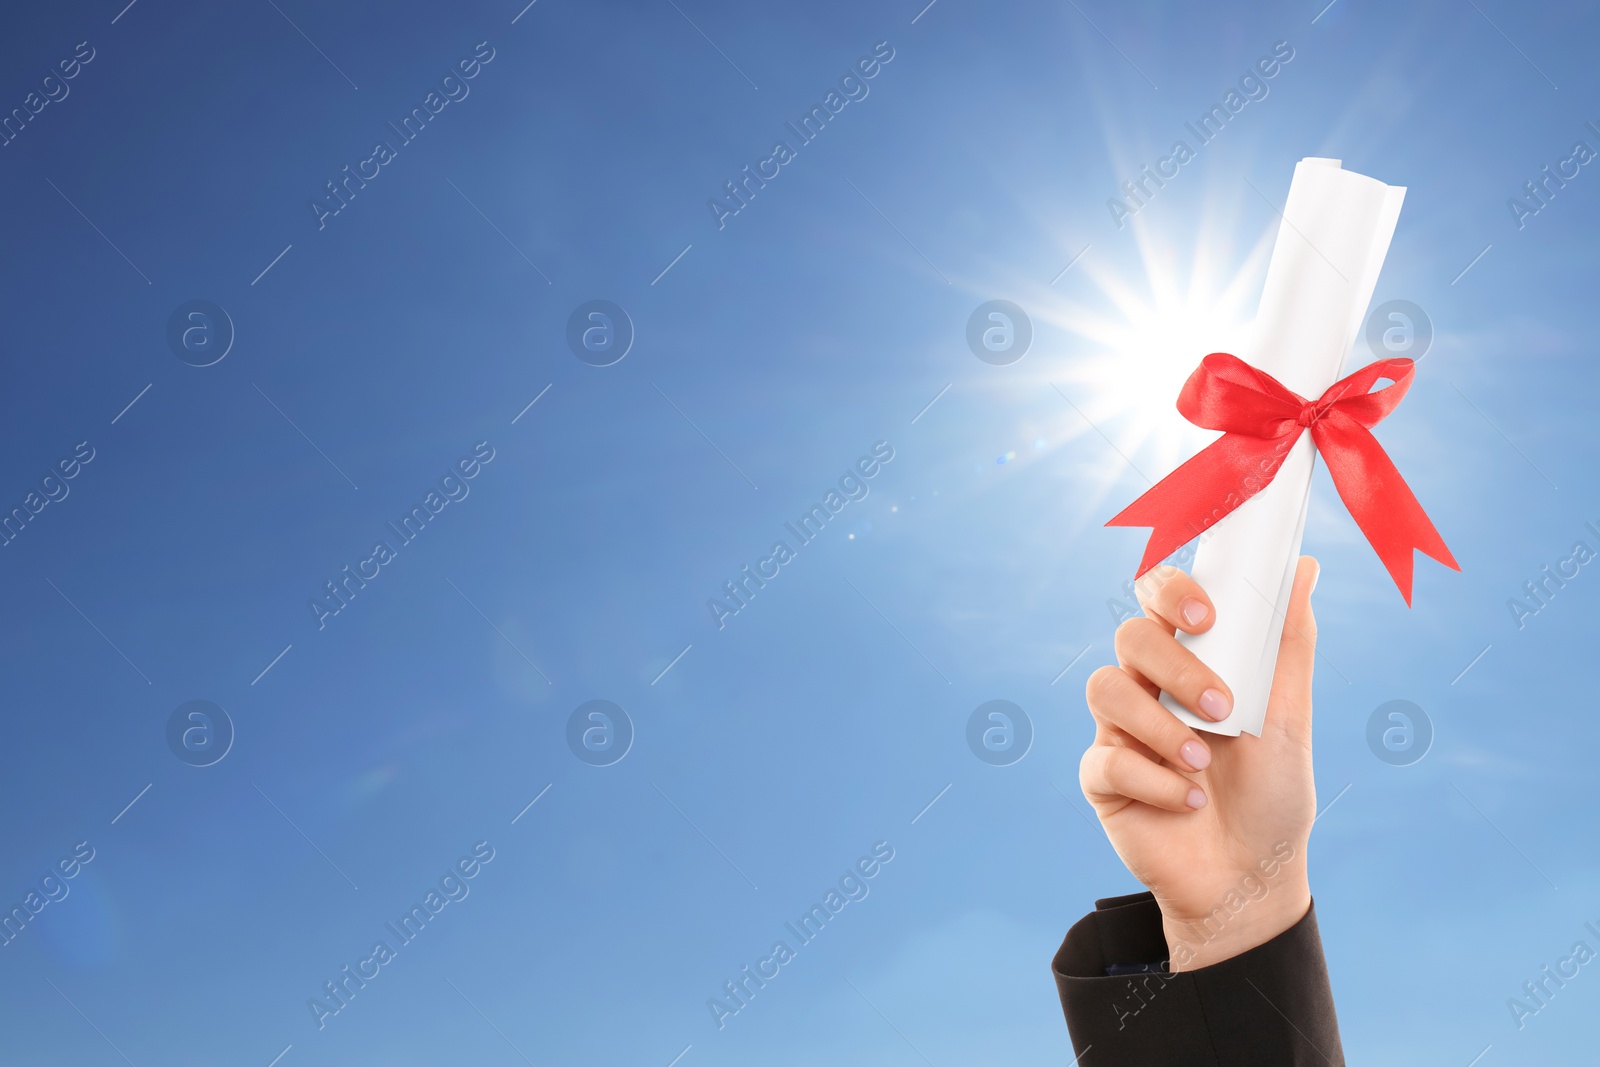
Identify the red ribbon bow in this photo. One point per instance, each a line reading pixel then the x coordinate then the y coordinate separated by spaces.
pixel 1261 420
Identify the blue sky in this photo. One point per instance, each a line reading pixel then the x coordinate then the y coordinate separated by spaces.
pixel 374 351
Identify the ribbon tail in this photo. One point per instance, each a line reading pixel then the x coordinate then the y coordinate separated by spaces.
pixel 1199 494
pixel 1378 498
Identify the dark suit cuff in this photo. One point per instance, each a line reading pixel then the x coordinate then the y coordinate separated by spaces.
pixel 1270 1006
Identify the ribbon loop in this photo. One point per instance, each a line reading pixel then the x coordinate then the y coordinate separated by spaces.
pixel 1261 420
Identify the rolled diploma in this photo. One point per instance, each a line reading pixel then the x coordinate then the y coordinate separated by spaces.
pixel 1330 247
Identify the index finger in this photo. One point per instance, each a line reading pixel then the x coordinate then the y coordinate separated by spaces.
pixel 1175 600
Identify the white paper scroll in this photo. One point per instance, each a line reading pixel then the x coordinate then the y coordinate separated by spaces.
pixel 1331 245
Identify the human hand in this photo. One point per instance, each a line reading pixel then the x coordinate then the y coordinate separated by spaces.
pixel 1215 828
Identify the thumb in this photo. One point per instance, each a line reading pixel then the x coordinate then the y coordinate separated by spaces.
pixel 1289 706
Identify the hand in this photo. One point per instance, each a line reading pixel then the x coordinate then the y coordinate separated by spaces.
pixel 1215 828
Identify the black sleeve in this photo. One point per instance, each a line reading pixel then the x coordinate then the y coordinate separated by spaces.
pixel 1268 1007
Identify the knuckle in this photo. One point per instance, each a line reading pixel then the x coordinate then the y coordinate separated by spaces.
pixel 1163 786
pixel 1194 678
pixel 1156 578
pixel 1175 790
pixel 1158 585
pixel 1114 763
pixel 1303 632
pixel 1170 735
pixel 1128 635
pixel 1092 770
pixel 1188 674
pixel 1101 685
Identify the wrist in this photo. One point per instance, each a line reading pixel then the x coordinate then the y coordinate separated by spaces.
pixel 1237 924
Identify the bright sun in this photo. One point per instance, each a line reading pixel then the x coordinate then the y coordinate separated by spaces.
pixel 1144 339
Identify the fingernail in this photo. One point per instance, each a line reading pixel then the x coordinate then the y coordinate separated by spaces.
pixel 1314 577
pixel 1196 799
pixel 1196 755
pixel 1194 611
pixel 1214 705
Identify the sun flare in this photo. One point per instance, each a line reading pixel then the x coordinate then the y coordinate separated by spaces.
pixel 1141 339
